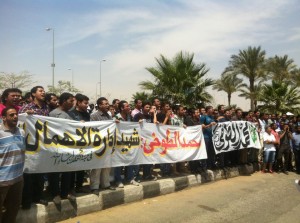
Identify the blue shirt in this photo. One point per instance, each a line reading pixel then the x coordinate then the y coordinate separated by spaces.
pixel 206 120
pixel 12 156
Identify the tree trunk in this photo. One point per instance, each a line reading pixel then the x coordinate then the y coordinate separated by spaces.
pixel 229 99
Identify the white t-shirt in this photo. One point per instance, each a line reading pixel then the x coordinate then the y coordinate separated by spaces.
pixel 267 137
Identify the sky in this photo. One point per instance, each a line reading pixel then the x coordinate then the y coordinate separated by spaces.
pixel 129 35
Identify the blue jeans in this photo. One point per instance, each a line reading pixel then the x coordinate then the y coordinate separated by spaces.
pixel 131 173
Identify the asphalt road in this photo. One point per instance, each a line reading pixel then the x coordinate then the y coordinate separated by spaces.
pixel 256 198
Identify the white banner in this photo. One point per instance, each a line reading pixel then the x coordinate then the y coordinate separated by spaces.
pixel 56 145
pixel 229 136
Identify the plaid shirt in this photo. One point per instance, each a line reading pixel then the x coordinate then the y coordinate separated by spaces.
pixel 44 110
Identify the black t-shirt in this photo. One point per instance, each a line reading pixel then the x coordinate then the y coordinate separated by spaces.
pixel 140 116
pixel 161 117
pixel 79 116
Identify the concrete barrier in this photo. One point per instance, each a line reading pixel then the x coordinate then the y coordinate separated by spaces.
pixel 130 193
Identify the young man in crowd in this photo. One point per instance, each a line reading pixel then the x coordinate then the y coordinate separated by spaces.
pixel 34 182
pixel 138 107
pixel 125 116
pixel 145 115
pixel 11 97
pixel 284 148
pixel 207 122
pixel 164 118
pixel 156 102
pixel 59 182
pixel 101 176
pixel 80 113
pixel 52 101
pixel 12 157
pixel 115 103
pixel 177 119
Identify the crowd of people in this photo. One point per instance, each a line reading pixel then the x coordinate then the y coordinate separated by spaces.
pixel 279 136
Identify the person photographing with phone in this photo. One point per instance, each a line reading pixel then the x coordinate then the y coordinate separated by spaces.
pixel 284 148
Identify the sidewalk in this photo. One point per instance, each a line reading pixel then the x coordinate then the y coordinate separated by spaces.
pixel 90 203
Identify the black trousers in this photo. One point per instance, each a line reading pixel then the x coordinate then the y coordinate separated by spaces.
pixel 60 184
pixel 33 188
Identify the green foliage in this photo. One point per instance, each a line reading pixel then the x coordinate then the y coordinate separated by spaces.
pixel 229 83
pixel 281 97
pixel 179 80
pixel 249 63
pixel 280 68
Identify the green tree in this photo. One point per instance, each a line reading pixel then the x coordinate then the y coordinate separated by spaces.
pixel 249 63
pixel 280 68
pixel 295 77
pixel 229 83
pixel 253 95
pixel 179 80
pixel 141 95
pixel 12 80
pixel 280 96
pixel 63 86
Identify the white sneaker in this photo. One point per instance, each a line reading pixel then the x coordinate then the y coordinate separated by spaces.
pixel 297 185
pixel 133 182
pixel 120 185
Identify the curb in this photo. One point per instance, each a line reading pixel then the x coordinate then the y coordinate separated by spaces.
pixel 91 203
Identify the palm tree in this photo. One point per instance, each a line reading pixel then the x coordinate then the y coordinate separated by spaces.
pixel 252 95
pixel 250 64
pixel 230 83
pixel 280 96
pixel 141 95
pixel 179 80
pixel 280 68
pixel 295 76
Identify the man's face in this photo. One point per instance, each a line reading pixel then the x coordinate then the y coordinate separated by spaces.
pixel 273 117
pixel 83 105
pixel 139 104
pixel 146 109
pixel 11 118
pixel 39 94
pixel 228 113
pixel 126 108
pixel 116 104
pixel 68 104
pixel 239 113
pixel 152 109
pixel 283 117
pixel 104 106
pixel 222 109
pixel 13 98
pixel 181 111
pixel 157 102
pixel 53 102
pixel 298 129
pixel 202 111
pixel 210 111
pixel 196 114
pixel 166 107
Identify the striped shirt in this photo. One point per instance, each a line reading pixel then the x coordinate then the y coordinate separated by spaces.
pixel 12 155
